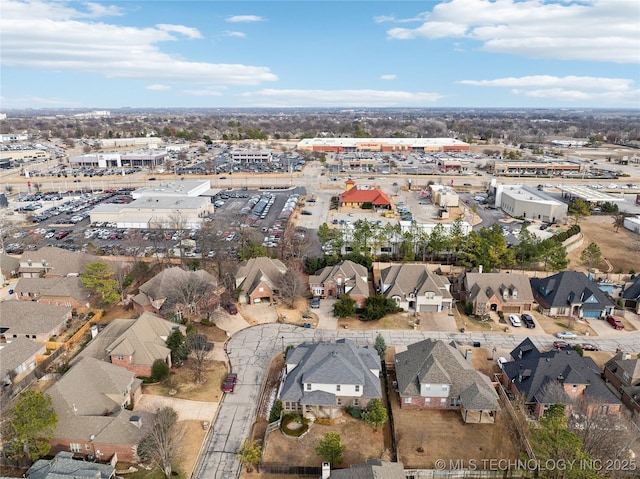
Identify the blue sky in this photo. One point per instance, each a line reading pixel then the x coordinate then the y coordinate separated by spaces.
pixel 303 53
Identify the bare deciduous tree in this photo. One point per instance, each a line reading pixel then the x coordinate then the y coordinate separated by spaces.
pixel 199 355
pixel 291 285
pixel 194 294
pixel 162 446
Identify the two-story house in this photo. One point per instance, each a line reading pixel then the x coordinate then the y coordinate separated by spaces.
pixel 323 378
pixel 257 279
pixel 432 374
pixel 623 372
pixel 345 277
pixel 414 288
pixel 507 292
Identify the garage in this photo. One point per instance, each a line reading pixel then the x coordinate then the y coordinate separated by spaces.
pixel 429 308
pixel 591 314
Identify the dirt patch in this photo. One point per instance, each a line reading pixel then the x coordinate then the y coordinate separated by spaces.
pixel 555 325
pixel 212 332
pixel 443 435
pixel 119 312
pixel 301 451
pixel 615 247
pixel 180 383
pixel 191 442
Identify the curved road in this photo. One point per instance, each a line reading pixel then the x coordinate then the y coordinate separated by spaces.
pixel 251 350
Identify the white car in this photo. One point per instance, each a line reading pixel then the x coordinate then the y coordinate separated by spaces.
pixel 566 335
pixel 501 361
pixel 515 320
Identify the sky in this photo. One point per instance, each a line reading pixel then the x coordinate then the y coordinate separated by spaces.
pixel 329 54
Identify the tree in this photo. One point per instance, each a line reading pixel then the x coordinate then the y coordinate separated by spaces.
pixel 100 278
pixel 330 448
pixel 162 445
pixel 554 255
pixel 29 426
pixel 376 307
pixel 159 370
pixel 176 342
pixel 380 345
pixel 199 349
pixel 591 256
pixel 344 307
pixel 578 209
pixel 249 454
pixel 376 415
pixel 276 411
pixel 194 294
pixel 618 220
pixel 291 286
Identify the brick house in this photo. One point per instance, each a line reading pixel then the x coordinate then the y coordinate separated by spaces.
pixel 32 320
pixel 257 279
pixel 435 375
pixel 507 292
pixel 60 291
pixel 51 262
pixel 345 277
pixel 414 288
pixel 623 372
pixel 541 377
pixel 93 401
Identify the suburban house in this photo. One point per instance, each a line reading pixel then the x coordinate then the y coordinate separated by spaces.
pixel 355 197
pixel 59 291
pixel 371 469
pixel 543 379
pixel 8 267
pixel 623 372
pixel 134 344
pixel 507 292
pixel 35 321
pixel 63 465
pixel 52 262
pixel 435 375
pixel 175 288
pixel 414 288
pixel 345 277
pixel 571 294
pixel 18 358
pixel 257 279
pixel 631 295
pixel 323 378
pixel 92 401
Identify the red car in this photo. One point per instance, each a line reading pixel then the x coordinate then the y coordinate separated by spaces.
pixel 560 344
pixel 231 308
pixel 230 383
pixel 615 322
pixel 589 347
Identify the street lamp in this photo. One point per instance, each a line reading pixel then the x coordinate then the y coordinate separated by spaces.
pixel 282 341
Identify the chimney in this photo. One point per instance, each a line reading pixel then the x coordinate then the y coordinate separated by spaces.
pixel 326 470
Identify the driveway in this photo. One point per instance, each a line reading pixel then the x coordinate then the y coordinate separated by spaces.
pixel 186 409
pixel 326 319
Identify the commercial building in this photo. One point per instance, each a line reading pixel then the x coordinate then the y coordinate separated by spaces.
pixel 386 145
pixel 252 156
pixel 174 189
pixel 521 168
pixel 143 158
pixel 525 202
pixel 444 196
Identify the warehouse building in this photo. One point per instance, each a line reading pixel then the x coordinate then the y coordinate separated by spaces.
pixel 386 145
pixel 528 203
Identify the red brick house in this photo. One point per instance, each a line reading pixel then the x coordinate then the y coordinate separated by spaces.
pixel 623 372
pixel 345 277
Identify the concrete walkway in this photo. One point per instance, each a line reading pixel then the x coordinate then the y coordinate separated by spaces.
pixel 186 409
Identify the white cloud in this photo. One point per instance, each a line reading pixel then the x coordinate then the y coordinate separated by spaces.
pixel 388 77
pixel 245 19
pixel 234 34
pixel 186 31
pixel 158 87
pixel 568 89
pixel 54 37
pixel 339 98
pixel 592 30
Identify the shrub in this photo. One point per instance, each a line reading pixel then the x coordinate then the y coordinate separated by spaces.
pixel 354 412
pixel 288 419
pixel 376 307
pixel 159 370
pixel 276 411
pixel 578 349
pixel 467 308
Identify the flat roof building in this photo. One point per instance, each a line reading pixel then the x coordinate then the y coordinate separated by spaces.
pixel 252 156
pixel 144 159
pixel 589 194
pixel 524 202
pixel 389 145
pixel 174 188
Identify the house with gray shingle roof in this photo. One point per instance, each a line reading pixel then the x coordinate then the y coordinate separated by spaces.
pixel 571 294
pixel 134 344
pixel 507 292
pixel 257 278
pixel 371 469
pixel 436 375
pixel 414 288
pixel 63 465
pixel 60 291
pixel 631 295
pixel 323 378
pixel 32 320
pixel 18 358
pixel 544 378
pixel 92 401
pixel 345 277
pixel 52 262
pixel 8 267
pixel 623 372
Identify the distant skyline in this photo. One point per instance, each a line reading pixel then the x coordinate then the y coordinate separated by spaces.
pixel 329 54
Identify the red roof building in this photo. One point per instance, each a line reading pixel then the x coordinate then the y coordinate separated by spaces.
pixel 356 197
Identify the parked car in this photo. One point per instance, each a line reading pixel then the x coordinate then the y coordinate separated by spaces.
pixel 566 335
pixel 589 347
pixel 231 308
pixel 560 344
pixel 501 361
pixel 515 320
pixel 528 321
pixel 615 322
pixel 306 213
pixel 315 302
pixel 229 383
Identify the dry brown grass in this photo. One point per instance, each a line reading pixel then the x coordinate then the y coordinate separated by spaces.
pixel 401 321
pixel 181 381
